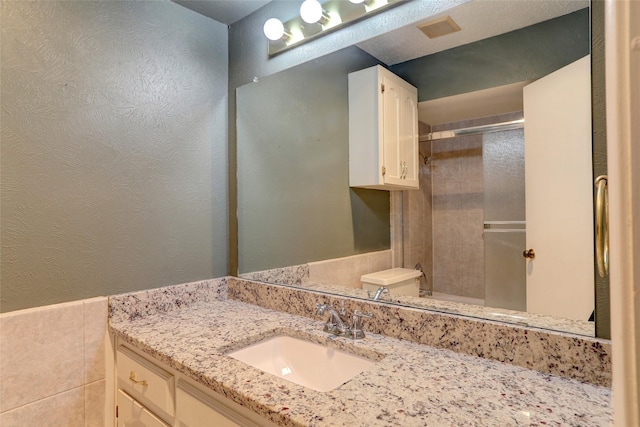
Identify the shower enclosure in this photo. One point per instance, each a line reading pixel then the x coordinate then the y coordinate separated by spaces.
pixel 473 221
pixel 504 219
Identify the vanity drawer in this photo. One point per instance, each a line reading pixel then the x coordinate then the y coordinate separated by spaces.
pixel 146 382
pixel 131 413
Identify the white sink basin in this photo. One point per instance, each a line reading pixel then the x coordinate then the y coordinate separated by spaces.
pixel 302 362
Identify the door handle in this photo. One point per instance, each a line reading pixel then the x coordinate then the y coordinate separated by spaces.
pixel 602 225
pixel 132 378
pixel 529 253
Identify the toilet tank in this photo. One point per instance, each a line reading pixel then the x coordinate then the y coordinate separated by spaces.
pixel 399 281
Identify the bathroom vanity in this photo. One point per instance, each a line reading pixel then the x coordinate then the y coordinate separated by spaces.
pixel 177 339
pixel 157 395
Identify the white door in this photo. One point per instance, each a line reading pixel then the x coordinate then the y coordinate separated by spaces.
pixel 559 201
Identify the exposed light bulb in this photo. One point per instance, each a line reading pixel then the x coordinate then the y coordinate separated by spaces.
pixel 311 11
pixel 274 29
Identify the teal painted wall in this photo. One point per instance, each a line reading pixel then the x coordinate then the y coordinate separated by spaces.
pixel 525 54
pixel 113 129
pixel 294 200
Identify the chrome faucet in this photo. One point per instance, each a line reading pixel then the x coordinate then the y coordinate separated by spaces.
pixel 356 331
pixel 428 289
pixel 336 326
pixel 381 290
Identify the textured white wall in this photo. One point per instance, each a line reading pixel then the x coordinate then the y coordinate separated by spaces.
pixel 114 156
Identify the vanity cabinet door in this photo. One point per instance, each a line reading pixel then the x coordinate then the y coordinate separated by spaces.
pixel 133 414
pixel 383 131
pixel 196 408
pixel 199 411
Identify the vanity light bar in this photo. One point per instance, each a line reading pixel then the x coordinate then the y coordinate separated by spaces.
pixel 334 15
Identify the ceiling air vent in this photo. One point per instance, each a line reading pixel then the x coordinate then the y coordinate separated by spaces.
pixel 439 27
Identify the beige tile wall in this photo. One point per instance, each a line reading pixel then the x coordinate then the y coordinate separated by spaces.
pixel 395 218
pixel 416 217
pixel 458 248
pixel 458 209
pixel 347 271
pixel 52 365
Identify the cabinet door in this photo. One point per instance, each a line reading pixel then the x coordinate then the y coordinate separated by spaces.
pixel 391 124
pixel 409 138
pixel 200 412
pixel 199 409
pixel 133 414
pixel 400 133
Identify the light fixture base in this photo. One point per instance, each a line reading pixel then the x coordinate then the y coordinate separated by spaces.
pixel 300 32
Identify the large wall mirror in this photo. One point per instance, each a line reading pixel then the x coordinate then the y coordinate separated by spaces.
pixel 295 205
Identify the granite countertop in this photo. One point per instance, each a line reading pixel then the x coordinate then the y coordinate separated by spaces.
pixel 298 276
pixel 553 323
pixel 412 385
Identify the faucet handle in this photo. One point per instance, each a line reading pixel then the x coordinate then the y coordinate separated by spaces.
pixel 358 313
pixel 356 331
pixel 320 308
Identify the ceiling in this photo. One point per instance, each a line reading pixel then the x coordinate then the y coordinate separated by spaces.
pixel 479 19
pixel 224 11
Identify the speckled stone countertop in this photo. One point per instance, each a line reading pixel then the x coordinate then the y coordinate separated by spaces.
pixel 298 276
pixel 413 384
pixel 581 358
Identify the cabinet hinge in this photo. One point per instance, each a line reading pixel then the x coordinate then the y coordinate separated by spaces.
pixel 384 171
pixel 116 411
pixel 382 87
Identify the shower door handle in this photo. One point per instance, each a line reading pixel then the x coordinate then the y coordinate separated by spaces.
pixel 529 253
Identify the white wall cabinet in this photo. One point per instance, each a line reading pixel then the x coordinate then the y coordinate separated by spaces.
pixel 383 131
pixel 150 394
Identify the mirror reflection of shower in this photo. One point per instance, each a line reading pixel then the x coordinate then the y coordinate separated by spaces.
pixel 465 228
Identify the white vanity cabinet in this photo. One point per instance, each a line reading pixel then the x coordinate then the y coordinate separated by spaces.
pixel 150 394
pixel 383 131
pixel 146 382
pixel 131 413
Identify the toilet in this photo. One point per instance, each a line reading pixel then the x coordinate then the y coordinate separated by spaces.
pixel 399 281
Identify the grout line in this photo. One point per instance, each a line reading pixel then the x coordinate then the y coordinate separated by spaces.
pixel 45 398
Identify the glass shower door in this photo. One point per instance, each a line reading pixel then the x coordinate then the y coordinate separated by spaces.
pixel 504 219
pixel 504 265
